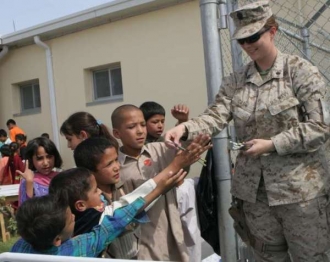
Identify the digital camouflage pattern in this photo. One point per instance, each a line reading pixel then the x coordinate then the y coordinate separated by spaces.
pixel 250 19
pixel 285 107
pixel 305 225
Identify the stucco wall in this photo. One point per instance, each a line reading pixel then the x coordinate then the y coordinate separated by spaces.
pixel 161 56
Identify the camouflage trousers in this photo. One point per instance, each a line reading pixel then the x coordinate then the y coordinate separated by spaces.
pixel 303 227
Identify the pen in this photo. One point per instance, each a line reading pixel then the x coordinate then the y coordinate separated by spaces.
pixel 200 160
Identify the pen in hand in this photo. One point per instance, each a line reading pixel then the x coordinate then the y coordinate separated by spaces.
pixel 200 160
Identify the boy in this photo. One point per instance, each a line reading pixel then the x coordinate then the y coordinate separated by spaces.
pixel 46 223
pixel 4 138
pixel 100 156
pixel 162 239
pixel 13 129
pixel 154 115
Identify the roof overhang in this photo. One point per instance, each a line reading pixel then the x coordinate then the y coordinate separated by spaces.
pixel 102 14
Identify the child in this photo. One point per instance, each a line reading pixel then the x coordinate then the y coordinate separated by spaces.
pixel 82 125
pixel 13 129
pixel 15 162
pixel 100 156
pixel 4 138
pixel 41 157
pixel 21 141
pixel 154 115
pixel 9 163
pixel 46 135
pixel 162 239
pixel 5 175
pixel 46 223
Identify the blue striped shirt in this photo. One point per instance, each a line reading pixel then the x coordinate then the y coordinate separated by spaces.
pixel 93 243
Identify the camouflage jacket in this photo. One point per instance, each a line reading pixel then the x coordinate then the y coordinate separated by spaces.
pixel 284 106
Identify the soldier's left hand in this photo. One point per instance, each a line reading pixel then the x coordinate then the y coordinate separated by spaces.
pixel 257 147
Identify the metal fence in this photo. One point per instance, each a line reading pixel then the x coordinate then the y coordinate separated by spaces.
pixel 304 31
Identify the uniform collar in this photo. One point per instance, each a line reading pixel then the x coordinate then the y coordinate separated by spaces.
pixel 253 76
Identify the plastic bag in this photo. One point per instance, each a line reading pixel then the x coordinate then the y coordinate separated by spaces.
pixel 206 197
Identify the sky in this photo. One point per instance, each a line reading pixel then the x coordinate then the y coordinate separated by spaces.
pixel 20 14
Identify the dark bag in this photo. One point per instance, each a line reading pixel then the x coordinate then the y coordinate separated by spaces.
pixel 206 197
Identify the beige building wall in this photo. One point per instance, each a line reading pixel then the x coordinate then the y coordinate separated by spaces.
pixel 161 57
pixel 18 66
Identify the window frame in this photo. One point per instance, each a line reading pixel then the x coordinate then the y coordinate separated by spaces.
pixel 35 108
pixel 111 97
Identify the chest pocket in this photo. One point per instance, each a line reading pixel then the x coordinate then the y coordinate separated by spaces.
pixel 285 109
pixel 241 114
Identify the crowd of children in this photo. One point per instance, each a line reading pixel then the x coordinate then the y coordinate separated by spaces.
pixel 105 206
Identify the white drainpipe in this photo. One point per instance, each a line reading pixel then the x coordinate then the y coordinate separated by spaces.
pixel 52 98
pixel 4 51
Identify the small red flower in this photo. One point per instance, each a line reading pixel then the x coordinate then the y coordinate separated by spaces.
pixel 147 162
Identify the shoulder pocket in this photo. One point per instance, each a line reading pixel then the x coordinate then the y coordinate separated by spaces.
pixel 283 105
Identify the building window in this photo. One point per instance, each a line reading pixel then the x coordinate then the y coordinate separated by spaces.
pixel 107 83
pixel 30 97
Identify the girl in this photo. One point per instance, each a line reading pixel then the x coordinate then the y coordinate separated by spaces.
pixel 21 141
pixel 9 163
pixel 41 158
pixel 14 162
pixel 82 125
pixel 5 175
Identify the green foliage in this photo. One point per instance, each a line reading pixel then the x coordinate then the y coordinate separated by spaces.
pixel 5 247
pixel 9 216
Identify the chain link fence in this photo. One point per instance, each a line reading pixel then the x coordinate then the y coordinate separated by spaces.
pixel 304 31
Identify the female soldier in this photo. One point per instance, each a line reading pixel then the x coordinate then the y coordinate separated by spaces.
pixel 281 177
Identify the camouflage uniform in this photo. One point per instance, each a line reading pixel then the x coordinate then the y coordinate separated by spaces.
pixel 285 192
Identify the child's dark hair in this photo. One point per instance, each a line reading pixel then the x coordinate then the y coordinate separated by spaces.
pixel 71 185
pixel 13 147
pixel 21 137
pixel 84 121
pixel 48 145
pixel 5 150
pixel 3 133
pixel 118 114
pixel 150 109
pixel 40 220
pixel 46 135
pixel 10 121
pixel 89 152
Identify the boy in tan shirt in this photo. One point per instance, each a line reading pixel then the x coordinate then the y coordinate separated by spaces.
pixel 162 238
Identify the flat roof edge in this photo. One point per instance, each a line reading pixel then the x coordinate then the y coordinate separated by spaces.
pixel 78 21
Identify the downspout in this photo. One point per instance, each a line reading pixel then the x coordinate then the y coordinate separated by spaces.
pixel 213 70
pixel 51 87
pixel 4 51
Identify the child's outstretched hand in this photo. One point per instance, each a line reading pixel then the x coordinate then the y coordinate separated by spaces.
pixel 193 152
pixel 165 183
pixel 28 174
pixel 180 112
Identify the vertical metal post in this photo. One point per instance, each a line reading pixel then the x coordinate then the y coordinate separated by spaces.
pixel 306 46
pixel 213 70
pixel 244 252
pixel 236 50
